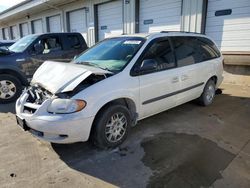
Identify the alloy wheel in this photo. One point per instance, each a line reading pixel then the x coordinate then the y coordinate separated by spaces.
pixel 7 89
pixel 116 127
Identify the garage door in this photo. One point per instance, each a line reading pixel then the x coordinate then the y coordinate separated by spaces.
pixel 110 22
pixel 24 28
pixel 159 15
pixel 6 33
pixel 37 26
pixel 228 23
pixel 54 24
pixel 77 22
pixel 13 30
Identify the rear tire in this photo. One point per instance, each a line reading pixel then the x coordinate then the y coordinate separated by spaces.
pixel 208 94
pixel 111 126
pixel 10 88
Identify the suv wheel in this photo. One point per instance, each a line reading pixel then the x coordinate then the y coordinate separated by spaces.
pixel 208 94
pixel 111 126
pixel 10 88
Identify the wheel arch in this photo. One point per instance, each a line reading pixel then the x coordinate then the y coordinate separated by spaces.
pixel 127 102
pixel 214 78
pixel 15 73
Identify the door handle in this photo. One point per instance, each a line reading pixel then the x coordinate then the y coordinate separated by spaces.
pixel 184 77
pixel 175 79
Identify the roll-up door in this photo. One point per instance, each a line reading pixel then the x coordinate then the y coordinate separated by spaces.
pixel 6 33
pixel 13 30
pixel 110 19
pixel 77 22
pixel 54 24
pixel 24 28
pixel 228 23
pixel 37 26
pixel 159 15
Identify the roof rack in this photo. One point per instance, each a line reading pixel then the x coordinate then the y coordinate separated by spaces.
pixel 179 32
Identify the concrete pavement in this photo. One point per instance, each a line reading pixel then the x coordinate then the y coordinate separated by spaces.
pixel 188 146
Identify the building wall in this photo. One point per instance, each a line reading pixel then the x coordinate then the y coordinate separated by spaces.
pixel 129 17
pixel 192 18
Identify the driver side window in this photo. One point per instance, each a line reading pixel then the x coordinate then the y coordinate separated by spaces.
pixel 50 44
pixel 162 53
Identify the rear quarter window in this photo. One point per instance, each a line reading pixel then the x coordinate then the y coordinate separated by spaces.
pixel 208 49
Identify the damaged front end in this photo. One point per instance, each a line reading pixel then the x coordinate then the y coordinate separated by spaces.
pixel 49 105
pixel 65 81
pixel 89 81
pixel 32 99
pixel 36 95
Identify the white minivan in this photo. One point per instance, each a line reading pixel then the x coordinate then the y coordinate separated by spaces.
pixel 120 80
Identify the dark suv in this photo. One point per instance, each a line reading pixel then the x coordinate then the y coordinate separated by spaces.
pixel 20 61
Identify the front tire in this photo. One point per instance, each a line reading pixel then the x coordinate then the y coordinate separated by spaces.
pixel 10 88
pixel 111 126
pixel 208 94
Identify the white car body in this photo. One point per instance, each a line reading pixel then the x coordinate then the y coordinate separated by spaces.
pixel 147 94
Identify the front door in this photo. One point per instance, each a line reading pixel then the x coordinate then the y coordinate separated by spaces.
pixel 157 88
pixel 52 51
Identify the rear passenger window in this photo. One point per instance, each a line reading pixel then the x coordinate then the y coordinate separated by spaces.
pixel 162 53
pixel 74 42
pixel 186 51
pixel 51 44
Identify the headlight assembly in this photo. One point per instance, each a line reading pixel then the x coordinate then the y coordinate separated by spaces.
pixel 66 106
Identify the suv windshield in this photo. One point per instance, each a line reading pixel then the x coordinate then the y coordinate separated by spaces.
pixel 111 54
pixel 23 43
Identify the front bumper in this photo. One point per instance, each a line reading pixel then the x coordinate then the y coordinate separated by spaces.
pixel 55 128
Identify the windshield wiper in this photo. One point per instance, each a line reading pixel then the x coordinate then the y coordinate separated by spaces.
pixel 94 65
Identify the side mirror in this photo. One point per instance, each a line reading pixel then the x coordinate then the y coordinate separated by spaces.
pixel 39 48
pixel 148 66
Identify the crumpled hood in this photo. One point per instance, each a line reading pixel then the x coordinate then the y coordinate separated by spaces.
pixel 59 77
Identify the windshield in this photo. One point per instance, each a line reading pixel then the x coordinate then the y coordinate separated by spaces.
pixel 111 54
pixel 23 43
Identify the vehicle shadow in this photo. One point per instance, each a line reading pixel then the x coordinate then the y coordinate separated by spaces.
pixel 124 166
pixel 7 108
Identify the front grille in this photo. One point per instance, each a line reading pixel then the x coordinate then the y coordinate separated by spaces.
pixel 37 95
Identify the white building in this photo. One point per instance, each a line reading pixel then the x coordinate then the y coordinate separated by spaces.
pixel 226 21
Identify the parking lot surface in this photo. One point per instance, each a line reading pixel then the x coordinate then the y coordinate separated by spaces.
pixel 188 146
